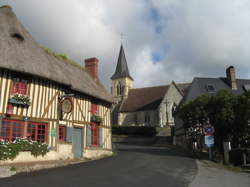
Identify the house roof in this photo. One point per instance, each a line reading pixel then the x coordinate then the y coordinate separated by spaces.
pixel 20 52
pixel 182 87
pixel 147 98
pixel 121 67
pixel 199 87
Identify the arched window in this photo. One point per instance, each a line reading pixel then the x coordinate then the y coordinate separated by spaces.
pixel 119 89
pixel 173 109
pixel 147 118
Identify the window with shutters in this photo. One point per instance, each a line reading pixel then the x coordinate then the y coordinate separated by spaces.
pixel 62 133
pixel 37 131
pixel 11 129
pixel 20 86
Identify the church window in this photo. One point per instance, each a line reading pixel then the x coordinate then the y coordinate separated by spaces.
pixel 173 109
pixel 147 118
pixel 135 118
pixel 119 89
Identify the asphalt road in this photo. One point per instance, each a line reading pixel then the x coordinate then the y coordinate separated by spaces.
pixel 135 166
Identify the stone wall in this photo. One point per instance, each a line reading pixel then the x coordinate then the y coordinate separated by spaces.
pixel 138 118
pixel 96 153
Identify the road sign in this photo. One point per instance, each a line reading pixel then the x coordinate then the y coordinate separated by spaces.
pixel 209 141
pixel 209 130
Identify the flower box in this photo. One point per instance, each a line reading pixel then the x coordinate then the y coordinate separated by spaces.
pixel 96 119
pixel 20 100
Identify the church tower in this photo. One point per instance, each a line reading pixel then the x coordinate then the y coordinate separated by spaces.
pixel 122 82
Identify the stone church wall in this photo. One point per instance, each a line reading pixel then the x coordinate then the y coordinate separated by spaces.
pixel 139 118
pixel 172 97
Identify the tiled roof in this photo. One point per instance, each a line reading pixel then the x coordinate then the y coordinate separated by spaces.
pixel 147 98
pixel 199 87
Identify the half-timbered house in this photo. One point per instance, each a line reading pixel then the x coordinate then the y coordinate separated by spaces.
pixel 50 98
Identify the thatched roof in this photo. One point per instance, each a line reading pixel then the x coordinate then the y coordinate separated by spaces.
pixel 20 52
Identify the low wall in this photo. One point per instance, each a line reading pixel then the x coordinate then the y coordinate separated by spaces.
pixel 133 139
pixel 64 152
pixel 96 153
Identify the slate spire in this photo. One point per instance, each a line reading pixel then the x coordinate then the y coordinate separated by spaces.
pixel 122 66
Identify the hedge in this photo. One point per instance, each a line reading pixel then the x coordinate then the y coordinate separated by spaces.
pixel 134 130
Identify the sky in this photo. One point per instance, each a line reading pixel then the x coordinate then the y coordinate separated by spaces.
pixel 164 40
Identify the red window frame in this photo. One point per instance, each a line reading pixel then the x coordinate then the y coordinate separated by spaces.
pixel 94 134
pixel 11 129
pixel 62 133
pixel 20 86
pixel 38 131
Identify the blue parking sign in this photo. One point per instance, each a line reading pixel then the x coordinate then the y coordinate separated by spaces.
pixel 209 141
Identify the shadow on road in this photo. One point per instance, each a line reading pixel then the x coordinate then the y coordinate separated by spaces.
pixel 151 149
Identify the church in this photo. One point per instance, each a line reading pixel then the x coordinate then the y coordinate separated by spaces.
pixel 148 106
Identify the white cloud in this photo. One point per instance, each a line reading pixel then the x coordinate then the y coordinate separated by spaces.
pixel 193 38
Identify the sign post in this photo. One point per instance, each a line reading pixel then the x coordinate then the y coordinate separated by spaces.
pixel 209 139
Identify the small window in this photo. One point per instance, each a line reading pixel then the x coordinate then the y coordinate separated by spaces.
pixel 17 36
pixel 62 133
pixel 211 88
pixel 20 86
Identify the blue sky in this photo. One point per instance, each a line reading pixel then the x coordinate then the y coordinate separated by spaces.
pixel 164 40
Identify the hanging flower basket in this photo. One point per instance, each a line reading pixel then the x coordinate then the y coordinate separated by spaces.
pixel 96 119
pixel 18 99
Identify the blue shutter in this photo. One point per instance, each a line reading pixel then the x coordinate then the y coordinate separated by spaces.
pixel 100 137
pixel 88 142
pixel 69 132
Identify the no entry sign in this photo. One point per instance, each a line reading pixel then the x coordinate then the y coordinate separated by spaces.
pixel 209 130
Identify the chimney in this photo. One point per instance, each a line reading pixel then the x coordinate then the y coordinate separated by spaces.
pixel 91 65
pixel 231 77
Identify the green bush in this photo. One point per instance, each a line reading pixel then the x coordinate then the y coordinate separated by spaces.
pixel 9 150
pixel 134 130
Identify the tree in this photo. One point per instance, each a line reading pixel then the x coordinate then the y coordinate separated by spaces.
pixel 241 127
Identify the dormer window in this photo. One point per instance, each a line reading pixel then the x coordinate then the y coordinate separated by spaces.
pixel 17 36
pixel 211 88
pixel 20 86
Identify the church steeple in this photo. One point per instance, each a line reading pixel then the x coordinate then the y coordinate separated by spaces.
pixel 122 82
pixel 121 67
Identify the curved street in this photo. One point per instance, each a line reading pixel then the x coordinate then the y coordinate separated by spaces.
pixel 134 166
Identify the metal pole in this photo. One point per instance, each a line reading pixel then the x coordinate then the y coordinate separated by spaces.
pixel 210 153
